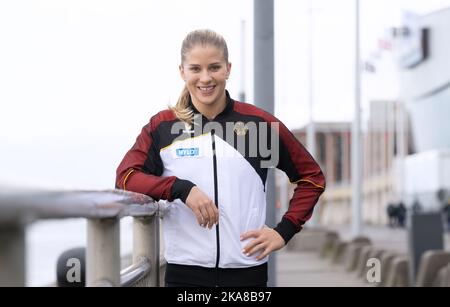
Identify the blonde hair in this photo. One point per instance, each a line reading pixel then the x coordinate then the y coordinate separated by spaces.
pixel 193 39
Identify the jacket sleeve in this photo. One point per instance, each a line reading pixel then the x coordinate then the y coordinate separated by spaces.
pixel 302 170
pixel 141 169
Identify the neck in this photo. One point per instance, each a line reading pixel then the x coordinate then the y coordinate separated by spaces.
pixel 212 110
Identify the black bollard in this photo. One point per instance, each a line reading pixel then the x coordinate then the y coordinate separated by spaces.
pixel 71 268
pixel 425 232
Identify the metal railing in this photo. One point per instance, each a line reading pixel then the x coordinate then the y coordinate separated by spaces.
pixel 103 209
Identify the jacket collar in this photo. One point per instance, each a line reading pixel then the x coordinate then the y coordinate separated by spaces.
pixel 228 107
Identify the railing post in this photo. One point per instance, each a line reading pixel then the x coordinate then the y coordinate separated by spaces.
pixel 12 256
pixel 103 253
pixel 146 244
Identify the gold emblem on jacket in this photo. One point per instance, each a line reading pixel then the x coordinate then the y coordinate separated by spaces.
pixel 240 128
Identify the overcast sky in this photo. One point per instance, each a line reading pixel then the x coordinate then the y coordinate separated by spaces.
pixel 88 74
pixel 89 65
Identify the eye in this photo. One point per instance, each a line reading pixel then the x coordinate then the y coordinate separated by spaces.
pixel 215 67
pixel 195 69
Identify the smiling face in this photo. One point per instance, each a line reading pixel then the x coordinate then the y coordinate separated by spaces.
pixel 205 72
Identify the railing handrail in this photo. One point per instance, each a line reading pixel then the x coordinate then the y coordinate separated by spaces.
pixel 134 273
pixel 28 206
pixel 103 210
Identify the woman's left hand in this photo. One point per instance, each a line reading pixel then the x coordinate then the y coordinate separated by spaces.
pixel 266 240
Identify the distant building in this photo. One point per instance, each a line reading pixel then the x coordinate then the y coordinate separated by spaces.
pixel 424 58
pixel 423 53
pixel 333 153
pixel 406 130
pixel 332 150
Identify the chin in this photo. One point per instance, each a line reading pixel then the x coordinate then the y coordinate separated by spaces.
pixel 207 100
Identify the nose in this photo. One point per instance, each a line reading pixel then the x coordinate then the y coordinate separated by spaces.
pixel 205 77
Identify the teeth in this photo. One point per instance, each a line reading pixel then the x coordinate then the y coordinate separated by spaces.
pixel 206 89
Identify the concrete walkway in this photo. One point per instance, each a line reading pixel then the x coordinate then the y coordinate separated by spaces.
pixel 394 239
pixel 307 269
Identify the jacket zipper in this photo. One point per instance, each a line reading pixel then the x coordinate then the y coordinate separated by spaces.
pixel 216 201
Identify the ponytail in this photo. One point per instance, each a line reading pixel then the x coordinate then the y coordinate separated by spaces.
pixel 182 109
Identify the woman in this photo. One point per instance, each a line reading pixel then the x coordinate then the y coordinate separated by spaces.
pixel 208 156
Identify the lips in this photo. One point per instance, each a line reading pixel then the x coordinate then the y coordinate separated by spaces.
pixel 206 89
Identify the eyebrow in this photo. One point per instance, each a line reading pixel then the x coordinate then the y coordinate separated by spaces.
pixel 198 65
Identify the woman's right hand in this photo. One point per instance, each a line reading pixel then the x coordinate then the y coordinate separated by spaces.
pixel 203 207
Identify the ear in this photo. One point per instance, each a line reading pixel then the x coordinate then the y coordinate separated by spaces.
pixel 182 74
pixel 228 70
